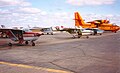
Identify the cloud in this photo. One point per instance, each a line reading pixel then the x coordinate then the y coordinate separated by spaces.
pixel 46 19
pixel 19 13
pixel 28 10
pixel 4 12
pixel 61 14
pixel 24 15
pixel 21 10
pixel 89 2
pixel 4 3
pixel 43 13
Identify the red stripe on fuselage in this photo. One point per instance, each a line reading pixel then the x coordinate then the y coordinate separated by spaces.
pixel 28 34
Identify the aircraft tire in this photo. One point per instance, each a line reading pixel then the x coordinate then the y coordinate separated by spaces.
pixel 26 42
pixel 51 33
pixel 87 37
pixel 79 36
pixel 9 44
pixel 33 44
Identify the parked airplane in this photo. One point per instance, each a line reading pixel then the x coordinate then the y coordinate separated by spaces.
pixel 78 32
pixel 107 26
pixel 20 35
pixel 79 22
pixel 37 29
pixel 47 30
pixel 101 24
pixel 96 31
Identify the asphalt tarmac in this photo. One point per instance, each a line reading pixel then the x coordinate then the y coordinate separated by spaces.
pixel 60 53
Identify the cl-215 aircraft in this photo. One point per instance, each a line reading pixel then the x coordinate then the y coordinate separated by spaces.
pixel 20 36
pixel 101 24
pixel 106 25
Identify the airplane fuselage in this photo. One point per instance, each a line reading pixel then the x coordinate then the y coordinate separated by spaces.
pixel 30 36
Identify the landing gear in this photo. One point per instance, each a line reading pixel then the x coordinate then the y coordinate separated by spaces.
pixel 51 33
pixel 87 37
pixel 73 37
pixel 33 44
pixel 9 44
pixel 79 36
pixel 26 42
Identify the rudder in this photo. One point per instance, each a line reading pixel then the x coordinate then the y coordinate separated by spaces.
pixel 78 20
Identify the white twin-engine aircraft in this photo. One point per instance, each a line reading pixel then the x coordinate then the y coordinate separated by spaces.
pixel 77 32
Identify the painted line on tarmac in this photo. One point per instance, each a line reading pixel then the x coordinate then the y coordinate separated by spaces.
pixel 34 67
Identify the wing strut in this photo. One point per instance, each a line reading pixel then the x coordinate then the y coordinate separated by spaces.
pixel 14 36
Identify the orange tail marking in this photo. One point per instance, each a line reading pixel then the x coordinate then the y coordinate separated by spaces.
pixel 78 20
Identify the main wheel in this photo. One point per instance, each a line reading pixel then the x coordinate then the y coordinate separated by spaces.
pixel 79 36
pixel 51 33
pixel 33 44
pixel 10 44
pixel 26 42
pixel 87 37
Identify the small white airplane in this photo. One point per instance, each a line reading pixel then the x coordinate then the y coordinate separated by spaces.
pixel 20 36
pixel 48 30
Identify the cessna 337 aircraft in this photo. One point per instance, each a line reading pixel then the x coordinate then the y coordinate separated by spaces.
pixel 20 36
pixel 78 32
pixel 101 24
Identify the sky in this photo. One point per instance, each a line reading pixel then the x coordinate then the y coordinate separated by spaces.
pixel 47 13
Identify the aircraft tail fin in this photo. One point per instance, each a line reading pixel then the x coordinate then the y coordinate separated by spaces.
pixel 78 20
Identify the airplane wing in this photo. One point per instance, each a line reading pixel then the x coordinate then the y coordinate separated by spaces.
pixel 94 21
pixel 13 34
pixel 73 31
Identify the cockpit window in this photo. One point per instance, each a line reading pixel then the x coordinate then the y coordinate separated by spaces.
pixel 27 30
